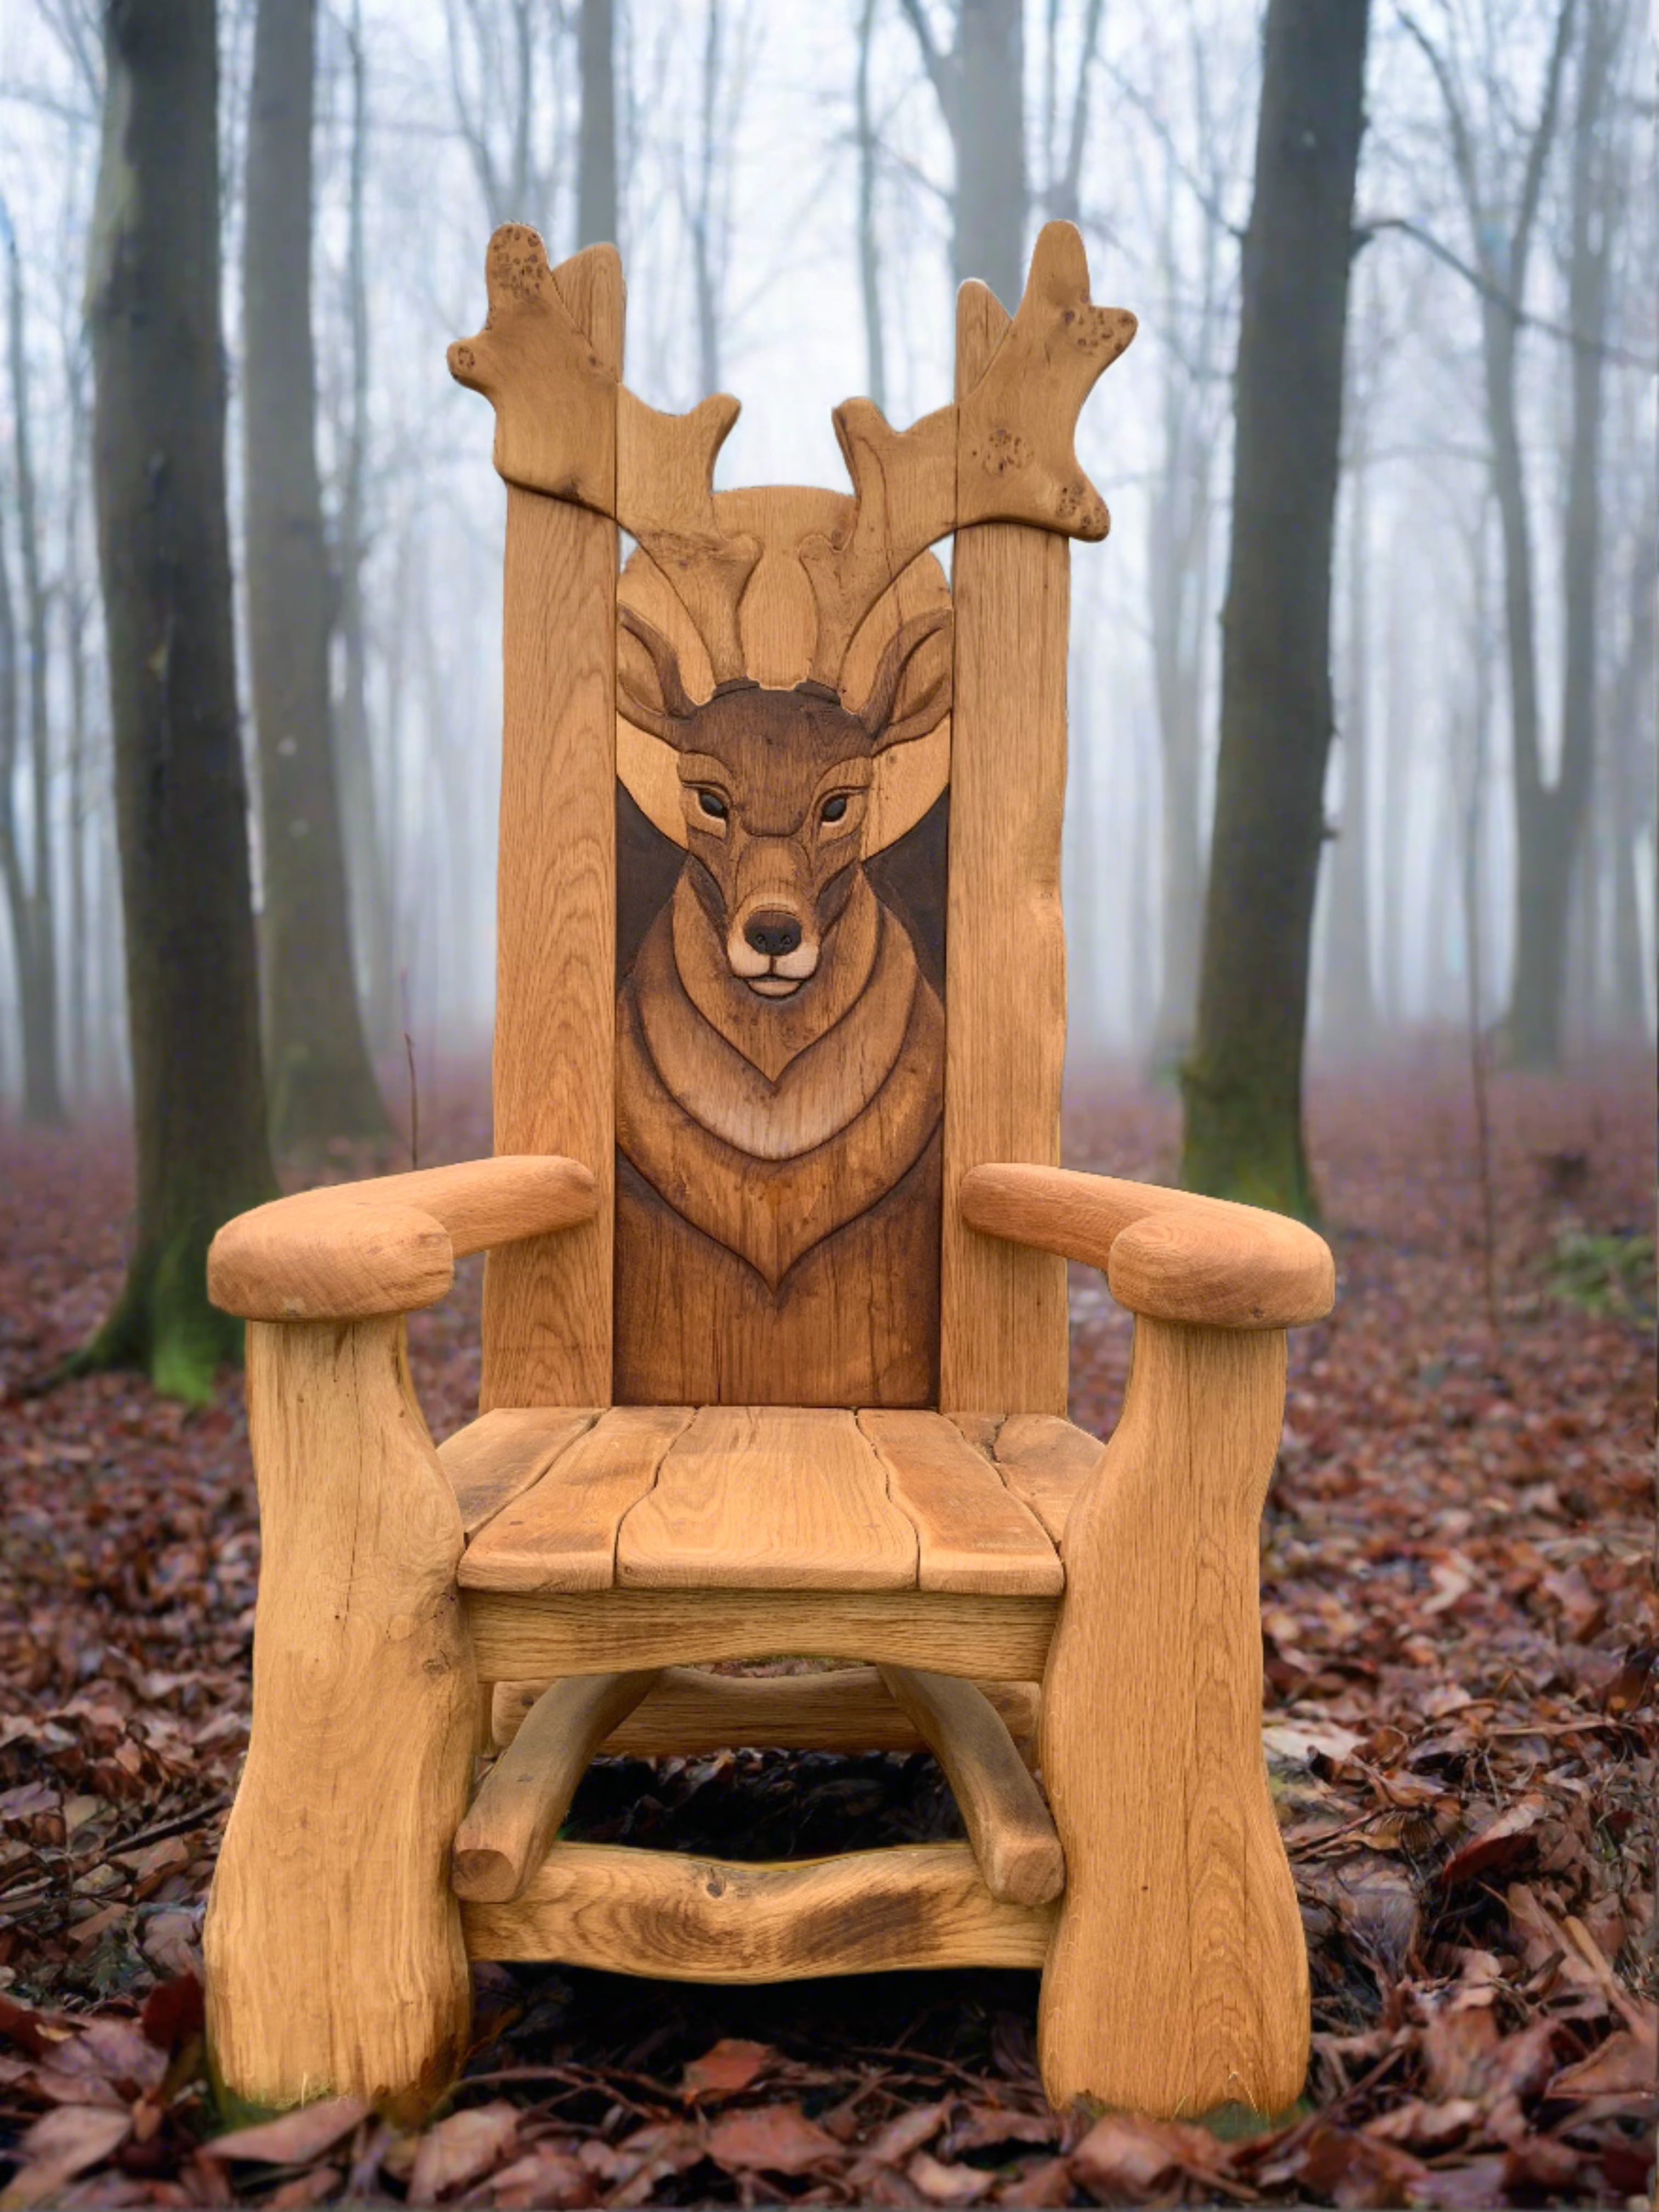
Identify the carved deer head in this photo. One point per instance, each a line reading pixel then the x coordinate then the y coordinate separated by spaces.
pixel 774 784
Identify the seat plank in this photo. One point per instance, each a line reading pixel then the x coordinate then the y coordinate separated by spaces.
pixel 497 1457
pixel 971 1533
pixel 760 1498
pixel 561 1534
pixel 682 1919
pixel 1045 1461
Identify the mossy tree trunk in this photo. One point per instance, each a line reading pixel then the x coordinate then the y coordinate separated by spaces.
pixel 181 803
pixel 1243 1081
pixel 322 1084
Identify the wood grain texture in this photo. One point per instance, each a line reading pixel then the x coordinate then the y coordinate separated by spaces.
pixel 781 1046
pixel 1045 1461
pixel 547 1334
pixel 335 1965
pixel 1009 1831
pixel 350 1250
pixel 495 1458
pixel 561 1533
pixel 1003 1342
pixel 756 1498
pixel 680 1919
pixel 523 1798
pixel 1171 1254
pixel 972 1533
pixel 1178 1980
pixel 690 1710
pixel 517 1638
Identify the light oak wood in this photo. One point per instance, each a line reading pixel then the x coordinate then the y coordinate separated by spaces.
pixel 1178 1980
pixel 680 1919
pixel 1003 1331
pixel 518 1638
pixel 335 1965
pixel 523 1798
pixel 690 1710
pixel 1167 1254
pixel 971 1533
pixel 1012 1836
pixel 561 1533
pixel 1045 1461
pixel 495 1458
pixel 547 1302
pixel 757 1498
pixel 350 1250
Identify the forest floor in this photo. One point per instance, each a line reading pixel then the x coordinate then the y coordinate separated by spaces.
pixel 1458 1605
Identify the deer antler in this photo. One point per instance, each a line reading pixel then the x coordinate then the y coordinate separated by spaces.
pixel 566 427
pixel 1003 453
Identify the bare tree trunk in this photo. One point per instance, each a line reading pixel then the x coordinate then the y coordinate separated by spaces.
pixel 1350 1007
pixel 1243 1083
pixel 158 359
pixel 875 342
pixel 371 904
pixel 37 949
pixel 596 160
pixel 76 614
pixel 1632 765
pixel 979 85
pixel 1550 820
pixel 321 1083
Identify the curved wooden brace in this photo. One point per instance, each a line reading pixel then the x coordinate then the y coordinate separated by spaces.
pixel 1009 1831
pixel 686 1919
pixel 526 1793
pixel 1178 1980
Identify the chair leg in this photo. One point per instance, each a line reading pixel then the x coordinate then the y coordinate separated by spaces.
pixel 335 1960
pixel 1178 1980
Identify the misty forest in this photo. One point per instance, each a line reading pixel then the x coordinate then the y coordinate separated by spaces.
pixel 1359 880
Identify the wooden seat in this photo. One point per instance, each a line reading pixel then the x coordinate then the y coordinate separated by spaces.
pixel 774 1216
pixel 764 1498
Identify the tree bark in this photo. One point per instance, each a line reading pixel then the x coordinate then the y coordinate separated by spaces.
pixel 980 86
pixel 321 1083
pixel 1350 1005
pixel 596 161
pixel 366 866
pixel 34 932
pixel 158 359
pixel 1243 1083
pixel 1550 818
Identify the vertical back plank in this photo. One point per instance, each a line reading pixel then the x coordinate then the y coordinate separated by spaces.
pixel 1004 1346
pixel 547 1316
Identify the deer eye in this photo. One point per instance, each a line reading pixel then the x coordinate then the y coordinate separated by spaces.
pixel 711 803
pixel 834 808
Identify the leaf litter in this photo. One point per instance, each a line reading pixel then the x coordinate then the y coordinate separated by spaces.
pixel 1459 1642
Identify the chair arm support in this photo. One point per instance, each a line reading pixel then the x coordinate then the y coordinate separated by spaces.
pixel 355 1250
pixel 1166 1254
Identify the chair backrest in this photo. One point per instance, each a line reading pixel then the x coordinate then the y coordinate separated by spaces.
pixel 780 953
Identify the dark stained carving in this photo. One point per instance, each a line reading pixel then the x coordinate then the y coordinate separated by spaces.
pixel 780 1043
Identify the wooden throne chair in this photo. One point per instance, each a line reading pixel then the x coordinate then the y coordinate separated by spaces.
pixel 774 1309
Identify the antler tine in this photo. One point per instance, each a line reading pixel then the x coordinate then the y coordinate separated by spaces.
pixel 1003 453
pixel 664 497
pixel 564 426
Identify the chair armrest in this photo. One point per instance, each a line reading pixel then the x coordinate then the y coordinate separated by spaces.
pixel 1168 1254
pixel 355 1249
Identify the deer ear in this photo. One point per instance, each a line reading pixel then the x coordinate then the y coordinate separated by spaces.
pixel 650 692
pixel 911 693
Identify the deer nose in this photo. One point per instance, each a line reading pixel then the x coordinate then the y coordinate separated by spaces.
pixel 774 934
